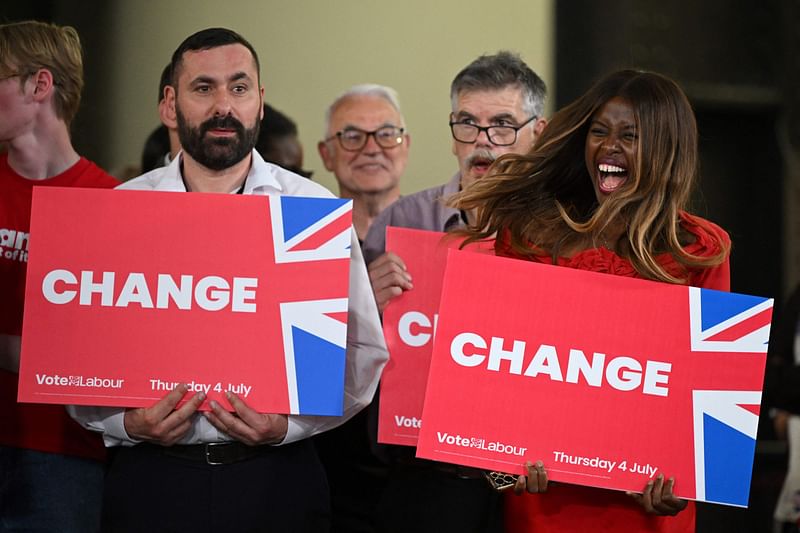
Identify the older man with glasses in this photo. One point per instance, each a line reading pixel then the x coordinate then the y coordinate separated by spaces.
pixel 497 108
pixel 366 148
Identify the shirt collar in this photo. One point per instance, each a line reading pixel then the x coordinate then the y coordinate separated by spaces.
pixel 260 176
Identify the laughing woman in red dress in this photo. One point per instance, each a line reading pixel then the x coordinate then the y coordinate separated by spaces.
pixel 605 189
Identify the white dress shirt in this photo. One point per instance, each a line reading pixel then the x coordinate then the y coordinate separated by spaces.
pixel 366 348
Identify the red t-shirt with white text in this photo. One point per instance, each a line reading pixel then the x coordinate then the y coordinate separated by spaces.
pixel 45 428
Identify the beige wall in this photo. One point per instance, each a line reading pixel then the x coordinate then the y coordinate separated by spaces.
pixel 311 50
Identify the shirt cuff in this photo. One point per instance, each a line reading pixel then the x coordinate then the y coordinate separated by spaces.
pixel 115 434
pixel 294 432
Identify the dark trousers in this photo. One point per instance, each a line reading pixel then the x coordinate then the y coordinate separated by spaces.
pixel 424 499
pixel 356 477
pixel 281 490
pixel 42 492
pixel 410 496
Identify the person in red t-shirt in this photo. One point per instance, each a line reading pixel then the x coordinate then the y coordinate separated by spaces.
pixel 605 188
pixel 51 470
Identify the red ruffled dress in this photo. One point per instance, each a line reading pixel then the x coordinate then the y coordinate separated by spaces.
pixel 568 508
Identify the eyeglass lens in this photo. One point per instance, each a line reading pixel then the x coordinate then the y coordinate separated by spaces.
pixel 499 135
pixel 355 139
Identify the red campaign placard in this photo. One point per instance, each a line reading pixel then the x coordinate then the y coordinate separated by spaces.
pixel 409 322
pixel 131 292
pixel 608 380
pixel 408 326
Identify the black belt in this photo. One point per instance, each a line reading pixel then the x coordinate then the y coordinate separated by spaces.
pixel 213 453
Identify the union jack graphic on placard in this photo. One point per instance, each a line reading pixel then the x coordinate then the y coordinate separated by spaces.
pixel 726 421
pixel 307 231
pixel 310 228
pixel 314 342
pixel 725 427
pixel 728 322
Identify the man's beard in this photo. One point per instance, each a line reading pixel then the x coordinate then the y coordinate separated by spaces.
pixel 217 153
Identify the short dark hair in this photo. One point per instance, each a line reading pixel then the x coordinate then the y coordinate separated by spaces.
pixel 498 71
pixel 206 40
pixel 276 124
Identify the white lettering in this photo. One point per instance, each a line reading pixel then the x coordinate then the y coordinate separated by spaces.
pixel 135 291
pixel 458 345
pixel 49 286
pixel 105 288
pixel 621 373
pixel 515 356
pixel 624 373
pixel 405 422
pixel 212 293
pixel 22 240
pixel 404 329
pixel 592 373
pixel 656 373
pixel 45 379
pixel 545 362
pixel 244 289
pixel 7 237
pixel 167 289
pixel 79 381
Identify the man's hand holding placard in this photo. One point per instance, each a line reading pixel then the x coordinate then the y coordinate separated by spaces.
pixel 163 423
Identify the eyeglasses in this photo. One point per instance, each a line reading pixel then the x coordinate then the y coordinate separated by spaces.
pixel 354 139
pixel 465 132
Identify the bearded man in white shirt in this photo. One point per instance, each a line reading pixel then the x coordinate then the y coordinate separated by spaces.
pixel 175 469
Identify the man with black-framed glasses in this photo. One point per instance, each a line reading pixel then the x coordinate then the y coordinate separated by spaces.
pixel 366 148
pixel 487 124
pixel 497 107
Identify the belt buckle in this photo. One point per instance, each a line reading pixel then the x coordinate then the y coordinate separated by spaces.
pixel 208 447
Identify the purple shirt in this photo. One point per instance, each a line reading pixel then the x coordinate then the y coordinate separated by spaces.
pixel 425 209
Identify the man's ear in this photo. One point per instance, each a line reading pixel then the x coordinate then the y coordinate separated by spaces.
pixel 166 108
pixel 326 155
pixel 42 84
pixel 538 128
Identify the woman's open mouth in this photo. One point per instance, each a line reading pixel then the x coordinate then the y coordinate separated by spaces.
pixel 610 177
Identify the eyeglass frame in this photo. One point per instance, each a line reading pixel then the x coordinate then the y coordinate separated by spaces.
pixel 485 129
pixel 338 135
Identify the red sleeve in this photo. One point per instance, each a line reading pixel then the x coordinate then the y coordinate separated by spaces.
pixel 710 240
pixel 718 277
